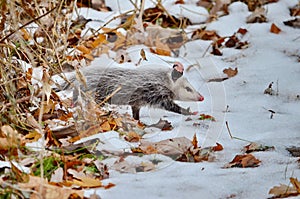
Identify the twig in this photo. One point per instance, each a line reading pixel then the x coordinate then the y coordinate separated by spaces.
pixel 109 96
pixel 112 19
pixel 26 24
pixel 232 137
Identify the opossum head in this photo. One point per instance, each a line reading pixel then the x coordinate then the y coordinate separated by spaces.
pixel 182 88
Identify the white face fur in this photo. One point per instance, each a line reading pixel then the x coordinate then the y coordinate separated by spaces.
pixel 184 91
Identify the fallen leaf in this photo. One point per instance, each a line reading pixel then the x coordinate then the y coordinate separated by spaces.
pixel 19 175
pixel 195 141
pixel 143 54
pixel 294 151
pixel 230 72
pixel 37 185
pixel 206 117
pixel 295 11
pixel 254 146
pixel 110 185
pixel 205 35
pixel 296 184
pixel 242 31
pixel 87 182
pixel 219 147
pixel 243 161
pixel 274 29
pixel 283 191
pixel 33 136
pixel 258 16
pixel 161 48
pixel 132 137
pixel 169 147
pixel 293 23
pixel 105 126
pixel 164 125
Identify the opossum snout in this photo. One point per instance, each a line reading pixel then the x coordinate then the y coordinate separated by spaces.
pixel 201 98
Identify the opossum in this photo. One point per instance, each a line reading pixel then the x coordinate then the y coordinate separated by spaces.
pixel 141 87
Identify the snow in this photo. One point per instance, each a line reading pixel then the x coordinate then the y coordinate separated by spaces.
pixel 268 59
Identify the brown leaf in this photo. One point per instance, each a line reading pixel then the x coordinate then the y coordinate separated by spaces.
pixel 169 147
pixel 83 49
pixel 179 2
pixel 143 54
pixel 161 48
pixel 230 72
pixel 219 147
pixel 110 185
pixel 38 185
pixel 258 16
pixel 33 136
pixel 283 191
pixel 293 23
pixel 20 175
pixel 256 147
pixel 205 34
pixel 195 141
pixel 296 184
pixel 132 137
pixel 101 38
pixel 274 29
pixel 164 125
pixel 242 31
pixel 243 161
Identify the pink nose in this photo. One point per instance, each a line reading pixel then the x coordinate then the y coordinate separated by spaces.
pixel 201 98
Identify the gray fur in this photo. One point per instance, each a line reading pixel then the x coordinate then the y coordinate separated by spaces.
pixel 140 87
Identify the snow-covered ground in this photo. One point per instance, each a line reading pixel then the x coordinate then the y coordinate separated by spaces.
pixel 269 58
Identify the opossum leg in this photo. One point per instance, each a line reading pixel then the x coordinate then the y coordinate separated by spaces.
pixel 135 112
pixel 173 107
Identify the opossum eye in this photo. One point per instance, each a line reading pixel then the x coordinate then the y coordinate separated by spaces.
pixel 188 89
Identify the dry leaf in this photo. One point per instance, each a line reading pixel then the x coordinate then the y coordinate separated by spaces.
pixel 39 185
pixel 20 176
pixel 33 136
pixel 101 38
pixel 105 126
pixel 164 125
pixel 143 54
pixel 242 31
pixel 274 29
pixel 195 141
pixel 258 16
pixel 254 146
pixel 296 184
pixel 87 182
pixel 230 72
pixel 243 161
pixel 205 35
pixel 293 22
pixel 219 147
pixel 206 117
pixel 170 147
pixel 283 191
pixel 132 137
pixel 161 48
pixel 83 49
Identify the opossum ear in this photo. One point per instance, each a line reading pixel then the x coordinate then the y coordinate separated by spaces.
pixel 176 74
